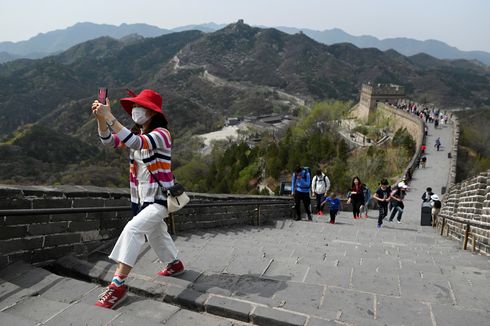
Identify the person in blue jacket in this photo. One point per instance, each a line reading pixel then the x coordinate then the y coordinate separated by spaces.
pixel 334 206
pixel 300 190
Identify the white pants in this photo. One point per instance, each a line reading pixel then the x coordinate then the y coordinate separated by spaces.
pixel 148 222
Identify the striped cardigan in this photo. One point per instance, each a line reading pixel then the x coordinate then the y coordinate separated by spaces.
pixel 155 148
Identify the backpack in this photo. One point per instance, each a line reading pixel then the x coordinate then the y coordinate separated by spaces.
pixel 308 171
pixel 321 180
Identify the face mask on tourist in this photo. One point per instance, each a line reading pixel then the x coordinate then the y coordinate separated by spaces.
pixel 140 115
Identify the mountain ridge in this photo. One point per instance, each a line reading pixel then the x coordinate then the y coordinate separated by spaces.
pixel 239 70
pixel 54 42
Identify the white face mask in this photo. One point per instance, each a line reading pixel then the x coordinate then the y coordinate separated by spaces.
pixel 140 115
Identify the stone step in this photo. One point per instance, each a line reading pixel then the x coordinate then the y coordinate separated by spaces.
pixel 200 295
pixel 34 296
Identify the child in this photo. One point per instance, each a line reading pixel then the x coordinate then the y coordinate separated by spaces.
pixel 436 207
pixel 383 196
pixel 334 206
pixel 367 198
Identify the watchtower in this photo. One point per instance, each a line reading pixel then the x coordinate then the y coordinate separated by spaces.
pixel 372 94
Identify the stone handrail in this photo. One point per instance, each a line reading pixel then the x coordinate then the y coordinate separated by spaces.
pixel 41 224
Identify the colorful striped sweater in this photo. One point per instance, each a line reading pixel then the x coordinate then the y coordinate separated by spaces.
pixel 155 148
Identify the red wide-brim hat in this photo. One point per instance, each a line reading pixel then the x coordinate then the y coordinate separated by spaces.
pixel 147 98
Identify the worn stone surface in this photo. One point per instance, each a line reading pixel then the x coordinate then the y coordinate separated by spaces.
pixel 229 308
pixel 290 272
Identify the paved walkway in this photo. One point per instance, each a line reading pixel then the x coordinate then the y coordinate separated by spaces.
pixel 306 273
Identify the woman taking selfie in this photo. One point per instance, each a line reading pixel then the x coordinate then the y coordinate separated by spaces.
pixel 150 165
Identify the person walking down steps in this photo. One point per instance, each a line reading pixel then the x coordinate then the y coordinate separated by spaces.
pixel 319 187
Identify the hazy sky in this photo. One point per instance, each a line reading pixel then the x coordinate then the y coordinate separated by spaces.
pixel 461 23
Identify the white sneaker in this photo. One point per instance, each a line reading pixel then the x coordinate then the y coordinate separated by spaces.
pixel 399 222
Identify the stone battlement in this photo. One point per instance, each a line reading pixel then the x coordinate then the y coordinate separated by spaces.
pixel 468 203
pixel 78 219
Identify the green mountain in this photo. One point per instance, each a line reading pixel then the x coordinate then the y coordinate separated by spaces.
pixel 238 70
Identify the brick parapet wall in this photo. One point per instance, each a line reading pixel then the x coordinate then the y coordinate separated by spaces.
pixel 42 238
pixel 466 203
pixel 414 125
pixel 454 151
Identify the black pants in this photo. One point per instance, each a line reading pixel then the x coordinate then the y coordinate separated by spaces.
pixel 305 198
pixel 356 207
pixel 319 199
pixel 383 211
pixel 333 213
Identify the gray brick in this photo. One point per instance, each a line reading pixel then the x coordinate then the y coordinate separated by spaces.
pixel 272 317
pixel 83 226
pixel 147 288
pixel 68 217
pixel 60 239
pixel 37 279
pixel 83 314
pixel 8 319
pixel 4 260
pixel 8 246
pixel 48 228
pixel 14 203
pixel 185 297
pixel 26 219
pixel 10 232
pixel 68 290
pixel 228 308
pixel 117 202
pixel 112 223
pixel 51 203
pixel 88 202
pixel 51 253
pixel 148 309
pixel 23 256
pixel 188 318
pixel 129 320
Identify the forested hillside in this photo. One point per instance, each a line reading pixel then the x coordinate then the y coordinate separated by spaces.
pixel 204 78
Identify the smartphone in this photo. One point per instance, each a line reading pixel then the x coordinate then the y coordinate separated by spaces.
pixel 103 93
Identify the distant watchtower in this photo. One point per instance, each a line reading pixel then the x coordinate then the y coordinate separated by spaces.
pixel 371 94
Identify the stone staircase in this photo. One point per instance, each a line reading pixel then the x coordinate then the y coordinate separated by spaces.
pixel 35 296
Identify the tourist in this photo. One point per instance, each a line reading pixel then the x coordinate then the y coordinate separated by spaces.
pixel 382 195
pixel 149 147
pixel 319 187
pixel 367 198
pixel 300 190
pixel 437 143
pixel 426 195
pixel 423 161
pixel 397 197
pixel 334 206
pixel 436 207
pixel 356 197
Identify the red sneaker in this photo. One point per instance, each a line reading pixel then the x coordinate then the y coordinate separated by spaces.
pixel 112 296
pixel 173 269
